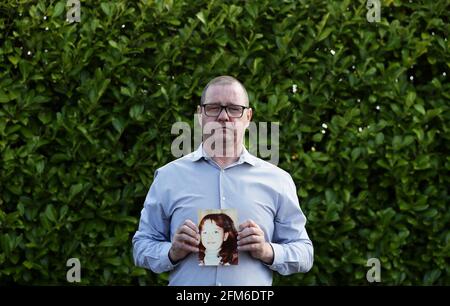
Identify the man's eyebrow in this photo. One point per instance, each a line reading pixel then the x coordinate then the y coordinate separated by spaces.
pixel 215 102
pixel 220 103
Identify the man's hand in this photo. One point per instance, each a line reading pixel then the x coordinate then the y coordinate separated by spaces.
pixel 185 241
pixel 251 238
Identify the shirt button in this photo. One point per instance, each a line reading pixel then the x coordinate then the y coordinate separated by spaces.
pixel 223 198
pixel 219 284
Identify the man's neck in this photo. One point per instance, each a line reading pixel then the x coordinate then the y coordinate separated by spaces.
pixel 223 160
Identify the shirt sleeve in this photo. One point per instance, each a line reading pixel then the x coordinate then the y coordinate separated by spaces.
pixel 151 243
pixel 293 250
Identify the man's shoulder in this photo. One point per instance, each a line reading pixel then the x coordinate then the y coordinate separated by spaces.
pixel 274 170
pixel 184 162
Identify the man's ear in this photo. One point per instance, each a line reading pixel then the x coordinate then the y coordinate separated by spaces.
pixel 199 115
pixel 225 237
pixel 249 114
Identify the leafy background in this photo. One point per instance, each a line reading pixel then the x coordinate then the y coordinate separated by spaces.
pixel 86 111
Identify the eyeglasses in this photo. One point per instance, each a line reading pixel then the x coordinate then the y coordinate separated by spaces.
pixel 233 111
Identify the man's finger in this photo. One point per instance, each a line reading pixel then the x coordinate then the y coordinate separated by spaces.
pixel 249 247
pixel 250 239
pixel 188 247
pixel 189 231
pixel 191 225
pixel 248 223
pixel 248 231
pixel 188 239
pixel 191 248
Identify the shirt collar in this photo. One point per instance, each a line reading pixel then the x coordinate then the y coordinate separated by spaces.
pixel 244 157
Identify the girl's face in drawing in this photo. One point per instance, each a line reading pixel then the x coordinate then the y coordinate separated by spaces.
pixel 212 236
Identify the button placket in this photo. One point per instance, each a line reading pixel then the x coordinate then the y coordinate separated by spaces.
pixel 221 195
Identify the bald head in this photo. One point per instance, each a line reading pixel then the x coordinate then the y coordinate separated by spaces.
pixel 225 80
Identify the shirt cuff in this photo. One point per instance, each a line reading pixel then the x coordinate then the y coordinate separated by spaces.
pixel 278 256
pixel 165 260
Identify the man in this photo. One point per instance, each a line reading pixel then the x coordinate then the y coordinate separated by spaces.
pixel 222 174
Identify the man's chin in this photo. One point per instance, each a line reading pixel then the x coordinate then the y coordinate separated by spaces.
pixel 226 139
pixel 221 145
pixel 226 132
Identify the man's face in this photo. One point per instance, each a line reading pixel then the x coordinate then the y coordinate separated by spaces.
pixel 228 131
pixel 212 236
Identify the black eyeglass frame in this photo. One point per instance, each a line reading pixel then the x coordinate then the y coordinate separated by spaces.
pixel 226 109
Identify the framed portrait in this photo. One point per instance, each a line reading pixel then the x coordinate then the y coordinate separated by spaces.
pixel 218 237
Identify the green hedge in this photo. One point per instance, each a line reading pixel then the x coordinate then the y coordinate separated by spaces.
pixel 86 111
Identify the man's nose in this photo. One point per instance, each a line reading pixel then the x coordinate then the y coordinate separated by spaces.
pixel 223 115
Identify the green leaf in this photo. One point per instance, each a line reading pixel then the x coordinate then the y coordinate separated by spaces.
pixel 419 133
pixel 347 226
pixel 322 23
pixel 115 261
pixel 110 242
pixel 330 196
pixel 408 140
pixel 113 44
pixel 63 211
pixel 371 71
pixel 6 243
pixel 28 264
pixel 201 17
pixel 40 166
pixel 420 108
pixel 106 8
pixel 25 69
pixel 4 98
pixel 45 117
pixel 125 91
pixel 324 34
pixel 347 195
pixel 136 111
pixel 422 162
pixel 396 142
pixel 431 277
pixel 379 139
pixel 317 137
pixel 118 124
pixel 14 59
pixel 355 153
pixel 75 189
pixel 59 8
pixel 51 213
pixel 410 98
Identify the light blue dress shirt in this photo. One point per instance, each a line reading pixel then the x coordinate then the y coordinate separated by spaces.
pixel 257 190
